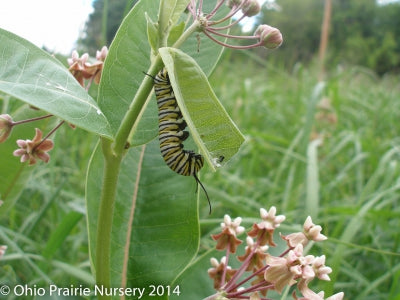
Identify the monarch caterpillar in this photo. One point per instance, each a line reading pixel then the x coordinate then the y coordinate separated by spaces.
pixel 171 132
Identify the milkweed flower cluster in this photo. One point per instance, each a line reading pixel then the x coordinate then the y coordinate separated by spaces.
pixel 83 70
pixel 30 150
pixel 267 272
pixel 37 148
pixel 264 36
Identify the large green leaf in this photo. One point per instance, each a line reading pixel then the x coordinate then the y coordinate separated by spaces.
pixel 211 127
pixel 164 230
pixel 129 57
pixel 35 77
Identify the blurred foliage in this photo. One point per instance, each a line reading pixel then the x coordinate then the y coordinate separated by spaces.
pixel 361 33
pixel 101 27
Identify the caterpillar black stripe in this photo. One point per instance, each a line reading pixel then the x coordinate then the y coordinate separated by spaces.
pixel 171 131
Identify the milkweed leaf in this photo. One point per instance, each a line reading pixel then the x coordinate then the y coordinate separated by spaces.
pixel 35 77
pixel 170 12
pixel 164 234
pixel 152 33
pixel 210 125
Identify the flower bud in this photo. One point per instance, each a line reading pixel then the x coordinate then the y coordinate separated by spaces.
pixel 3 249
pixel 75 59
pixel 251 8
pixel 312 231
pixel 101 55
pixel 234 3
pixel 270 37
pixel 6 125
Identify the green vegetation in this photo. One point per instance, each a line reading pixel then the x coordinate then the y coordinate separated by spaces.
pixel 103 23
pixel 361 33
pixel 326 149
pixel 357 165
pixel 358 172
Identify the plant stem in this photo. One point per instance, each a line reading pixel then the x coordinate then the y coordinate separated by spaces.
pixel 50 133
pixel 111 170
pixel 188 32
pixel 135 107
pixel 113 153
pixel 31 120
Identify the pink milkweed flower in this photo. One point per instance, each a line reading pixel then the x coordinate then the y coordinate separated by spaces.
pixel 257 253
pixel 265 229
pixel 284 271
pixel 81 69
pixel 227 238
pixel 102 54
pixel 321 271
pixel 311 232
pixel 217 271
pixel 311 295
pixel 34 149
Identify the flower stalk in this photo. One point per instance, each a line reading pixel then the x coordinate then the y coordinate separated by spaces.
pixel 265 35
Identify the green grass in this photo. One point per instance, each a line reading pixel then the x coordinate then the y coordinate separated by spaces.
pixel 349 184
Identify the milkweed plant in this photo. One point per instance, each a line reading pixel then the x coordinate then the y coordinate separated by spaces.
pixel 142 219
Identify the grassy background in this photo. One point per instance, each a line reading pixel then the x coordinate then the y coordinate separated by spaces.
pixel 349 184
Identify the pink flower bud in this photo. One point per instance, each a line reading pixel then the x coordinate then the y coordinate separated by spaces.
pixel 251 8
pixel 102 54
pixel 3 249
pixel 6 125
pixel 270 37
pixel 76 59
pixel 234 3
pixel 312 231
